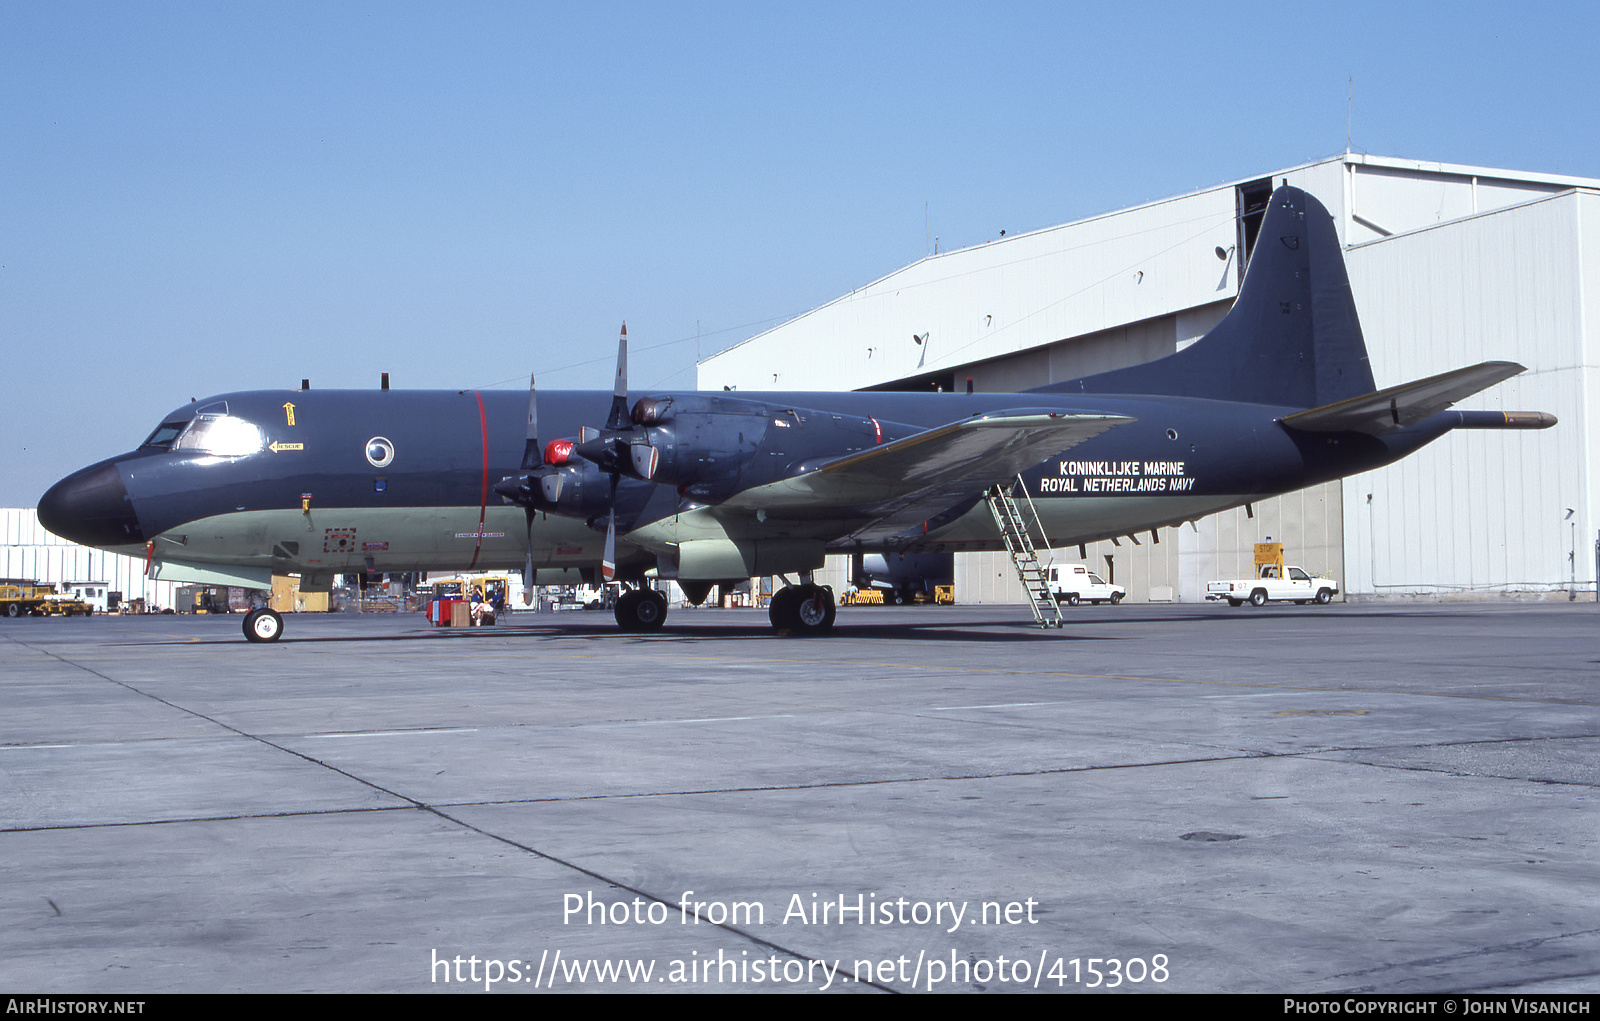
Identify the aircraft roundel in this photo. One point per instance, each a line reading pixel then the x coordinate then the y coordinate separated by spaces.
pixel 379 452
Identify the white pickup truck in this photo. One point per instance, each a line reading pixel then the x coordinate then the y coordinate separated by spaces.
pixel 1074 583
pixel 1275 583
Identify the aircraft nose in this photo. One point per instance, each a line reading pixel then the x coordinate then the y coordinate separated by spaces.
pixel 92 507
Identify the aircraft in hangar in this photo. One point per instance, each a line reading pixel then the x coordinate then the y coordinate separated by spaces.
pixel 707 488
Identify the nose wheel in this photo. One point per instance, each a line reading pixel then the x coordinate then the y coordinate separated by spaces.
pixel 263 626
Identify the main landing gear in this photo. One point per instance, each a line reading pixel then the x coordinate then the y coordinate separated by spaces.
pixel 803 609
pixel 640 610
pixel 263 626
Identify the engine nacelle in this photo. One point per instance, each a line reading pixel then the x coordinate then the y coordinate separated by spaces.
pixel 710 447
pixel 570 487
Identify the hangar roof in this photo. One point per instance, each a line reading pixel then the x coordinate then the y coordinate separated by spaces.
pixel 1101 273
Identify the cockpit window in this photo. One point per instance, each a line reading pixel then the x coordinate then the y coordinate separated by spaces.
pixel 165 433
pixel 221 435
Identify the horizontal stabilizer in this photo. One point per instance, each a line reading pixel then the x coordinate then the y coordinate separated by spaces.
pixel 1403 405
pixel 914 478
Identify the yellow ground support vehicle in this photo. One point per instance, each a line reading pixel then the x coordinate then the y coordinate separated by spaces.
pixel 861 597
pixel 66 606
pixel 20 597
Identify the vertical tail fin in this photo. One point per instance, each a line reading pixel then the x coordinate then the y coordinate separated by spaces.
pixel 1292 337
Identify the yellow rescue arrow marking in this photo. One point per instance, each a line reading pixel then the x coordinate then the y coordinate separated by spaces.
pixel 275 447
pixel 288 412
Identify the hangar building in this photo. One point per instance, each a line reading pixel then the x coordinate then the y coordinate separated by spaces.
pixel 1450 265
pixel 30 551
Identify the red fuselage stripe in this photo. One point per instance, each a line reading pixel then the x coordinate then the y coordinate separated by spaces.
pixel 483 492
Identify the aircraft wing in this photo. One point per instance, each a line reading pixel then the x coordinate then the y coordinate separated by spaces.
pixel 1403 405
pixel 899 485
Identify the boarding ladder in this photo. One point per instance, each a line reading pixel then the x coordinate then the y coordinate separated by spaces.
pixel 1018 536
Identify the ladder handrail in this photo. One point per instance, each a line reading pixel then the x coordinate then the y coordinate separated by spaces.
pixel 1037 521
pixel 1016 535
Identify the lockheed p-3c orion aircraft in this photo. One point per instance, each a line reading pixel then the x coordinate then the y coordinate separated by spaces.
pixel 709 488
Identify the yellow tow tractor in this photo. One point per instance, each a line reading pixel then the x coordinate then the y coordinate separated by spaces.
pixel 66 606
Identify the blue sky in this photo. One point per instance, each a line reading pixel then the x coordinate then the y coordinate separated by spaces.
pixel 201 197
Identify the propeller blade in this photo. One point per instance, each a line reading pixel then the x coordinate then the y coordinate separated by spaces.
pixel 551 486
pixel 531 455
pixel 619 393
pixel 645 459
pixel 608 564
pixel 527 565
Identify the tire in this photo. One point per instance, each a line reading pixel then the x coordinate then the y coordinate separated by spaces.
pixel 1324 597
pixel 1072 599
pixel 1115 599
pixel 623 611
pixel 781 610
pixel 13 609
pixel 803 609
pixel 1258 597
pixel 1235 603
pixel 652 611
pixel 641 610
pixel 263 626
pixel 814 611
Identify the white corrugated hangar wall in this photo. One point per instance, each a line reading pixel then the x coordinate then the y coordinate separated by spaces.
pixel 1450 266
pixel 30 551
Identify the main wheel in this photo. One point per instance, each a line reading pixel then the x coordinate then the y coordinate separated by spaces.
pixel 1324 597
pixel 641 610
pixel 814 610
pixel 1258 598
pixel 781 611
pixel 263 626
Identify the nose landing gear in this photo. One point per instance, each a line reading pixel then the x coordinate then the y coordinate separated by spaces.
pixel 263 626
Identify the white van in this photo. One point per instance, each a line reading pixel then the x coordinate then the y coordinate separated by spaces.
pixel 1074 583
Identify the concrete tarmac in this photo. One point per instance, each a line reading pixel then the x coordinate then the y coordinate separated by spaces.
pixel 1154 799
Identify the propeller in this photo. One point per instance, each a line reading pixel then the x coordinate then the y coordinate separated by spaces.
pixel 621 448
